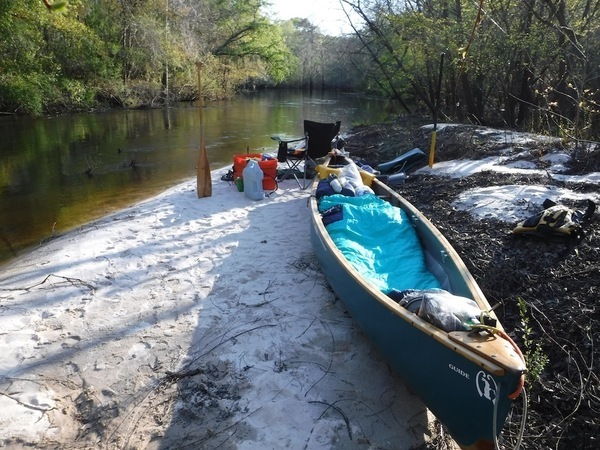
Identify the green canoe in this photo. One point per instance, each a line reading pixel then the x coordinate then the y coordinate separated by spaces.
pixel 467 379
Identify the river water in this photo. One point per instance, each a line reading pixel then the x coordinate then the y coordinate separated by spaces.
pixel 60 172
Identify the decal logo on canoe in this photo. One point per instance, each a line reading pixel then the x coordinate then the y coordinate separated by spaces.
pixel 486 386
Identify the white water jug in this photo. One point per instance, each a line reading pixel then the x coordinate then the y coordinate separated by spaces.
pixel 253 176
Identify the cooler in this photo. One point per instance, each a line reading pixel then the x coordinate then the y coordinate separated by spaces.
pixel 268 166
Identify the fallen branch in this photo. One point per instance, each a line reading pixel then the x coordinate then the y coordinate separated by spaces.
pixel 73 281
pixel 27 405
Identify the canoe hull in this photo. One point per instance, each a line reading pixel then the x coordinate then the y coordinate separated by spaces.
pixel 461 388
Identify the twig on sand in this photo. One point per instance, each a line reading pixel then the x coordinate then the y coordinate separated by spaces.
pixel 264 293
pixel 307 328
pixel 214 434
pixel 146 396
pixel 137 401
pixel 184 374
pixel 267 291
pixel 71 280
pixel 330 359
pixel 339 411
pixel 27 405
pixel 192 372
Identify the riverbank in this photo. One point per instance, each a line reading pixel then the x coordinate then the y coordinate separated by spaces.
pixel 61 172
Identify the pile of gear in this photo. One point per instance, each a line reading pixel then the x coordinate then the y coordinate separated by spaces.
pixel 557 221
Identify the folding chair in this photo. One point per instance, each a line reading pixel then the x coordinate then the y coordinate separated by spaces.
pixel 283 156
pixel 318 142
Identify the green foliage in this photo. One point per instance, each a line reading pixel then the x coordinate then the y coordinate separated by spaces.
pixel 535 358
pixel 509 64
pixel 59 6
pixel 20 37
pixel 42 57
pixel 68 40
pixel 75 94
pixel 21 94
pixel 50 60
pixel 243 37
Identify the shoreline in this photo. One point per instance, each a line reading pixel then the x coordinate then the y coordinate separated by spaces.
pixel 182 322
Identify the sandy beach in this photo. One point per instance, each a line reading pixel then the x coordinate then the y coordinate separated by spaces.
pixel 192 323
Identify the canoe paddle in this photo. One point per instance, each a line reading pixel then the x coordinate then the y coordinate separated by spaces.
pixel 204 182
pixel 435 112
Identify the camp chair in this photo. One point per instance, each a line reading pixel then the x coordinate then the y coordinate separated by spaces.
pixel 318 141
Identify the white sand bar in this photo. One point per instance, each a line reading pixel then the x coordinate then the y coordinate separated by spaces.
pixel 192 323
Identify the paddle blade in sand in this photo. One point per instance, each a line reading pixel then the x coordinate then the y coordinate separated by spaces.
pixel 204 182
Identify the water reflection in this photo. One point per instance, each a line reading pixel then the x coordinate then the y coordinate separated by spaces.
pixel 59 172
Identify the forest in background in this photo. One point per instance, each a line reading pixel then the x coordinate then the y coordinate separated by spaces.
pixel 525 64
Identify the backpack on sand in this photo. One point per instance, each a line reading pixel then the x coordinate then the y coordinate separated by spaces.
pixel 556 221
